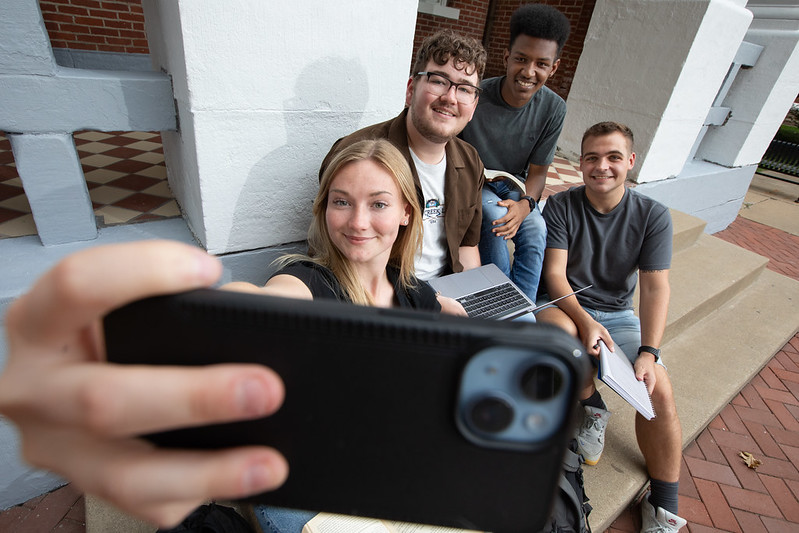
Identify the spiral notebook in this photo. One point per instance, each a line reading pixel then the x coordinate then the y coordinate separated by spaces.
pixel 617 372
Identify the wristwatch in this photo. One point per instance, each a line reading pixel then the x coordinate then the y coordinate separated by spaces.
pixel 650 349
pixel 530 201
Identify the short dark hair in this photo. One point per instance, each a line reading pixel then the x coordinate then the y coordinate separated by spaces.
pixel 606 128
pixel 445 45
pixel 541 21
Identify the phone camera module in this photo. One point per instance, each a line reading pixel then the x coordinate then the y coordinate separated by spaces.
pixel 541 382
pixel 491 415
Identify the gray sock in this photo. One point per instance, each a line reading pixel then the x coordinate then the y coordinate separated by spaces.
pixel 664 494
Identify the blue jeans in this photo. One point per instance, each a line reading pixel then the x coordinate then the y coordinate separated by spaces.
pixel 281 520
pixel 530 240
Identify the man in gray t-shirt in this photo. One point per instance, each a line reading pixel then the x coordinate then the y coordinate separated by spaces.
pixel 515 129
pixel 606 235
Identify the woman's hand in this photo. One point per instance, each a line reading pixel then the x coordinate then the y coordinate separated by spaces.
pixel 79 417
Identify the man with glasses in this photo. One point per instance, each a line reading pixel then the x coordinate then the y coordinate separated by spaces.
pixel 440 99
pixel 515 129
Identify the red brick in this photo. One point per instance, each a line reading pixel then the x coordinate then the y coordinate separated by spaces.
pixel 777 525
pixel 747 477
pixel 782 495
pixel 13 518
pixel 766 417
pixel 716 505
pixel 709 447
pixel 735 440
pixel 765 440
pixel 687 485
pixel 749 522
pixel 748 500
pixel 786 375
pixel 753 398
pixel 783 415
pixel 733 421
pixel 781 396
pixel 712 471
pixel 782 468
pixel 693 510
pixel 768 376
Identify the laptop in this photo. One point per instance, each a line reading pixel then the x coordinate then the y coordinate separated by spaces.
pixel 486 292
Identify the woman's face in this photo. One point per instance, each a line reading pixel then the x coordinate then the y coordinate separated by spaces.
pixel 365 209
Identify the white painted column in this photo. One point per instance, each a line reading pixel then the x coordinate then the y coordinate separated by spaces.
pixel 655 65
pixel 762 95
pixel 263 89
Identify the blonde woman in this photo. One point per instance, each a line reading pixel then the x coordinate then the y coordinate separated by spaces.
pixel 365 234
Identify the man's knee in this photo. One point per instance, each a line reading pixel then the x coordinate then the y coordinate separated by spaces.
pixel 553 315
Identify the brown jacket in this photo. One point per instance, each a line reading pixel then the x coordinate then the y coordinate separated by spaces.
pixel 462 188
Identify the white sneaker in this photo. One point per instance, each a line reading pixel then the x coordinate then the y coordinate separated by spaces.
pixel 660 520
pixel 591 434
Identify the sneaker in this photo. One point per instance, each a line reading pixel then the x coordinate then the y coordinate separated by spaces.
pixel 591 435
pixel 658 520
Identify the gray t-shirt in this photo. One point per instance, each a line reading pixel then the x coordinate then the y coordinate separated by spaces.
pixel 607 250
pixel 512 138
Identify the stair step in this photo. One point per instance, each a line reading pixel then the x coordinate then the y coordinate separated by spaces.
pixel 709 363
pixel 704 276
pixel 687 229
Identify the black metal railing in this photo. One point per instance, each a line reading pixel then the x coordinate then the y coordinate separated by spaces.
pixel 783 157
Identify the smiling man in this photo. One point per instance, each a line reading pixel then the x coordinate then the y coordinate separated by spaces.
pixel 608 236
pixel 440 99
pixel 515 129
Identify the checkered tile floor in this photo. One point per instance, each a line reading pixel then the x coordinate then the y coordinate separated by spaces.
pixel 125 175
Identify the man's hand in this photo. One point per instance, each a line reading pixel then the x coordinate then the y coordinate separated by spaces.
pixel 591 333
pixel 508 225
pixel 645 370
pixel 79 416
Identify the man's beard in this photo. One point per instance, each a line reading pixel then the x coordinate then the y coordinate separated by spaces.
pixel 426 131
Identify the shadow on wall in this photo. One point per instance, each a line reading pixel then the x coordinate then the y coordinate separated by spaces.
pixel 330 96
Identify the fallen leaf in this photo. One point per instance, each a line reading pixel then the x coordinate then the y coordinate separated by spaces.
pixel 750 460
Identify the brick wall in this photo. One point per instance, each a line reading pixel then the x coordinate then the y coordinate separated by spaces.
pixel 472 21
pixel 118 26
pixel 96 25
pixel 489 22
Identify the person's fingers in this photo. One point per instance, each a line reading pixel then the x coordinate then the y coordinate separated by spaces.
pixel 120 401
pixel 159 485
pixel 92 282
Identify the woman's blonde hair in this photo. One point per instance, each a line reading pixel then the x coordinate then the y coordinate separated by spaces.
pixel 409 238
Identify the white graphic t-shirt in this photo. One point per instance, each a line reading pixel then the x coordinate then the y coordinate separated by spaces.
pixel 433 259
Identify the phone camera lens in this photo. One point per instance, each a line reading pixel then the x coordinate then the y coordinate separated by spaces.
pixel 541 382
pixel 491 415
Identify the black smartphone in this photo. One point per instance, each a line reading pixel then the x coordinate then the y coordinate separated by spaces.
pixel 394 414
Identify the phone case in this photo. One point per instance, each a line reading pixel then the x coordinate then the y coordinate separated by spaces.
pixel 394 414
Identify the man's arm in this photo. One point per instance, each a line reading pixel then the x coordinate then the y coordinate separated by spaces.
pixel 554 274
pixel 536 181
pixel 469 257
pixel 652 311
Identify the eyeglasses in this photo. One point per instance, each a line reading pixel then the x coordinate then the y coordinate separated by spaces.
pixel 440 85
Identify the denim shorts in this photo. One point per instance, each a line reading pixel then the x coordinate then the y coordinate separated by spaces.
pixel 625 329
pixel 623 326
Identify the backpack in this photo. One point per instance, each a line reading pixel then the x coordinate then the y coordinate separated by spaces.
pixel 571 508
pixel 212 518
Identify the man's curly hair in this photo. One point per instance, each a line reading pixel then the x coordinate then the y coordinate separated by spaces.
pixel 467 53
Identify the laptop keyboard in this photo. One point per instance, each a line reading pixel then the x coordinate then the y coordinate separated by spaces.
pixel 494 301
